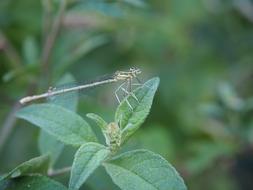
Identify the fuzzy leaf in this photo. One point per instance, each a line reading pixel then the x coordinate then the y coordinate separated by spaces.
pixel 99 120
pixel 125 115
pixel 47 143
pixel 88 157
pixel 143 170
pixel 61 123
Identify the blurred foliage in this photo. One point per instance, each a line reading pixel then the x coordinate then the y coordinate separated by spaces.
pixel 201 120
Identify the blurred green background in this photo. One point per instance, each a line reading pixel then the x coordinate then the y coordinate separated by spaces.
pixel 202 50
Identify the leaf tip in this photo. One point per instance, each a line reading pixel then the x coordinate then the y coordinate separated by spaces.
pixel 155 81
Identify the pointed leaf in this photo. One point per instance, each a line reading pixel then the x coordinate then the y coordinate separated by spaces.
pixel 99 120
pixel 143 170
pixel 125 132
pixel 145 94
pixel 88 157
pixel 61 123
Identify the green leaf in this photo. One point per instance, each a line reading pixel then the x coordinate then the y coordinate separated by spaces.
pixel 67 100
pixel 88 157
pixel 104 179
pixel 229 97
pixel 35 165
pixel 99 120
pixel 61 123
pixel 125 115
pixel 204 154
pixel 99 7
pixel 125 132
pixel 30 50
pixel 69 50
pixel 32 183
pixel 143 170
pixel 137 3
pixel 47 143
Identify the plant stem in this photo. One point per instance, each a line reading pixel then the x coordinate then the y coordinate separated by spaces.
pixel 47 17
pixel 50 40
pixel 11 119
pixel 10 51
pixel 57 172
pixel 8 125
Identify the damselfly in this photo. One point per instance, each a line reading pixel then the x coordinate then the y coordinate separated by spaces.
pixel 125 76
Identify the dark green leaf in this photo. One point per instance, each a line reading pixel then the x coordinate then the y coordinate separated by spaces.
pixel 35 165
pixel 31 183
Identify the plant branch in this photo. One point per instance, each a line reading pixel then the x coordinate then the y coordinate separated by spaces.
pixel 10 51
pixel 50 40
pixel 47 17
pixel 11 119
pixel 57 172
pixel 8 125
